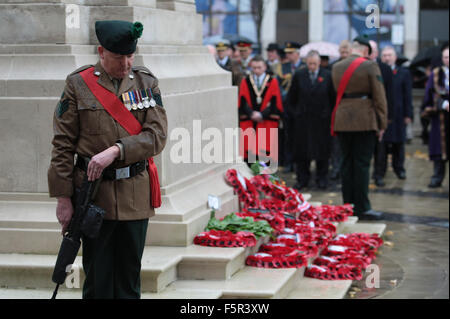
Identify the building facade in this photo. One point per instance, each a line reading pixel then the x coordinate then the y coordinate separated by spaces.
pixel 407 24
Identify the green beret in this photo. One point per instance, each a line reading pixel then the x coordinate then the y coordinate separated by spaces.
pixel 364 40
pixel 118 36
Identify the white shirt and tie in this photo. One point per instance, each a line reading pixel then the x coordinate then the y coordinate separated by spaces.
pixel 223 61
pixel 313 76
pixel 259 79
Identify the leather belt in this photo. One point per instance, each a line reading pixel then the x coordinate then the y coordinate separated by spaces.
pixel 363 96
pixel 114 174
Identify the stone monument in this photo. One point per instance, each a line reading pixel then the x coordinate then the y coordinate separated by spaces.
pixel 43 41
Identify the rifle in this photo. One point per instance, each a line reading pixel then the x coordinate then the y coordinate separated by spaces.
pixel 86 220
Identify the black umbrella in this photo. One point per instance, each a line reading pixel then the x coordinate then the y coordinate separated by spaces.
pixel 401 59
pixel 426 57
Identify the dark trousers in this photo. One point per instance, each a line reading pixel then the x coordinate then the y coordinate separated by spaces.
pixel 357 152
pixel 335 159
pixel 112 262
pixel 289 136
pixel 304 173
pixel 382 150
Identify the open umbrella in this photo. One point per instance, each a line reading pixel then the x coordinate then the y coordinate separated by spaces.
pixel 401 59
pixel 324 49
pixel 426 57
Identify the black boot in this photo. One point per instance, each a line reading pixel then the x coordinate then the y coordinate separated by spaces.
pixel 439 174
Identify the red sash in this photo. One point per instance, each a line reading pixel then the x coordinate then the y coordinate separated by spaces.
pixel 343 86
pixel 119 112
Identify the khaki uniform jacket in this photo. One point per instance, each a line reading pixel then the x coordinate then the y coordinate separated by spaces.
pixel 357 114
pixel 81 125
pixel 238 72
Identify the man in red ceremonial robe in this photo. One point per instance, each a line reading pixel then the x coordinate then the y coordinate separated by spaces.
pixel 260 109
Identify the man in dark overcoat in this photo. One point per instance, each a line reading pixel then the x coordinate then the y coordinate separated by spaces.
pixel 402 113
pixel 311 99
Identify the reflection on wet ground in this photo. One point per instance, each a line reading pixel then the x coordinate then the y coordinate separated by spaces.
pixel 414 262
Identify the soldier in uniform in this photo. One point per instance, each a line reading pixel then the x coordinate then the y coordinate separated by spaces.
pixel 360 115
pixel 241 68
pixel 285 72
pixel 111 120
pixel 273 59
pixel 223 59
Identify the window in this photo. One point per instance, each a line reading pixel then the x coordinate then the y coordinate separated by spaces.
pixel 346 19
pixel 292 4
pixel 228 19
pixel 433 4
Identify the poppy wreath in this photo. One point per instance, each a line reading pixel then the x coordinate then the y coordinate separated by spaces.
pixel 263 184
pixel 334 272
pixel 338 260
pixel 337 253
pixel 308 250
pixel 294 259
pixel 369 243
pixel 277 248
pixel 248 195
pixel 219 238
pixel 309 215
pixel 335 213
pixel 279 197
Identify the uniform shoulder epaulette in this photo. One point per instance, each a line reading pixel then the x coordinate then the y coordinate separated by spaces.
pixel 143 69
pixel 84 67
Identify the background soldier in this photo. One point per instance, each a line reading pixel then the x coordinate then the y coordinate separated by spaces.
pixel 285 73
pixel 86 126
pixel 223 58
pixel 241 67
pixel 357 121
pixel 273 59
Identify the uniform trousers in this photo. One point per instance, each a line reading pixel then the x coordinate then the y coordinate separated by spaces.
pixel 112 262
pixel 357 152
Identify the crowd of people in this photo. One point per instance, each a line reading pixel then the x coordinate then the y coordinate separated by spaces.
pixel 303 104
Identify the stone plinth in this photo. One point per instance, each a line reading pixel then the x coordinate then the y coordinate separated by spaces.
pixel 38 49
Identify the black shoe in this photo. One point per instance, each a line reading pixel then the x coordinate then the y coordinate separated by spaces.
pixel 435 184
pixel 379 182
pixel 401 175
pixel 371 215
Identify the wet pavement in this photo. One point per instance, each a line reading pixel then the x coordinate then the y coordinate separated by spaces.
pixel 414 262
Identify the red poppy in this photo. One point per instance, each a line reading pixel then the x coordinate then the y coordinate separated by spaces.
pixel 320 79
pixel 395 72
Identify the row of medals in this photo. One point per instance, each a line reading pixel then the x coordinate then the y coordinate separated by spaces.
pixel 138 99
